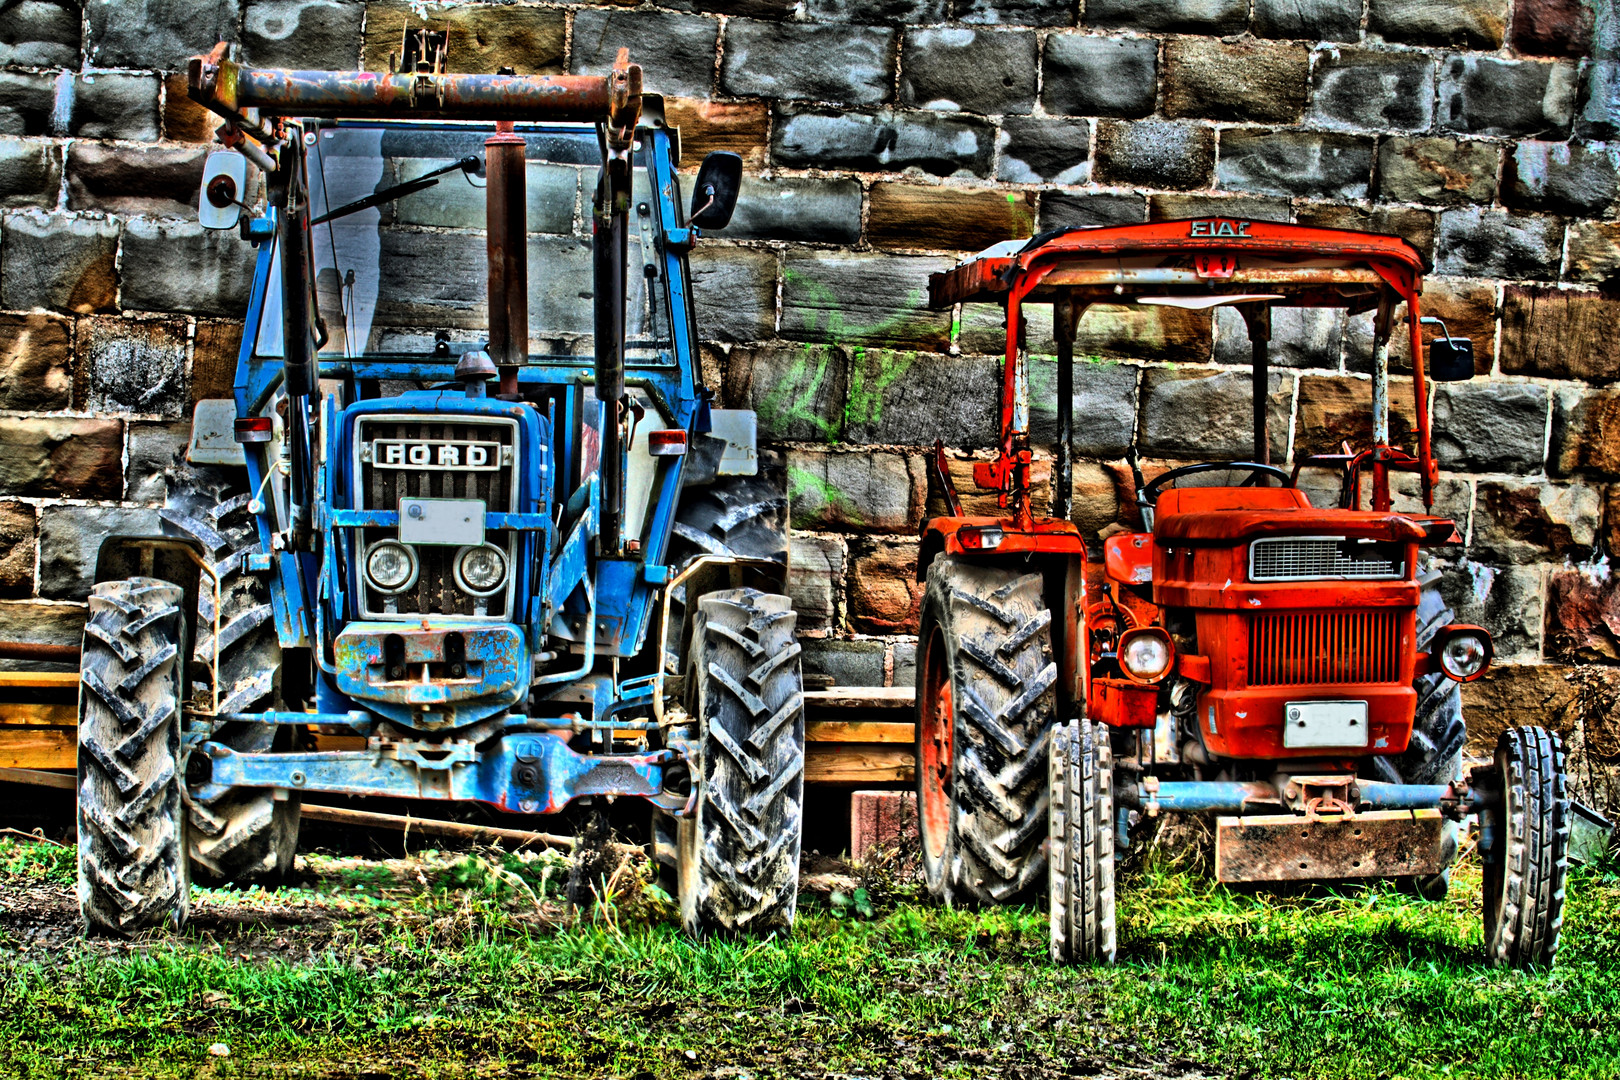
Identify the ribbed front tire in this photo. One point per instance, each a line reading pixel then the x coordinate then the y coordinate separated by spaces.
pixel 1081 870
pixel 1529 860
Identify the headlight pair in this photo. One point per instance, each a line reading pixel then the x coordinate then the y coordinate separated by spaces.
pixel 392 568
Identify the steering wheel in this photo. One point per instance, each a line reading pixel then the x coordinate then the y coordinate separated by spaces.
pixel 1256 471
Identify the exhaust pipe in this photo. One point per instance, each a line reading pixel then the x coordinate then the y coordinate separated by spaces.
pixel 507 228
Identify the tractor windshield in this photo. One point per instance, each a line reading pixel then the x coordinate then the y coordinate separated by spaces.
pixel 406 278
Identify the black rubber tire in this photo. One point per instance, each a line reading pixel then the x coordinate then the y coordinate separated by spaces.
pixel 132 862
pixel 1524 876
pixel 1081 830
pixel 743 516
pixel 246 835
pixel 996 634
pixel 738 854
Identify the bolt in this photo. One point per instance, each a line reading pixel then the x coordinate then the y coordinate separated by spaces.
pixel 415 511
pixel 297 779
pixel 458 671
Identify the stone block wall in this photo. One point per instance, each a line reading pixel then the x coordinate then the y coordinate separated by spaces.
pixel 883 141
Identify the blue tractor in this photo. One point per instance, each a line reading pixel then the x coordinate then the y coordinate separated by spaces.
pixel 470 517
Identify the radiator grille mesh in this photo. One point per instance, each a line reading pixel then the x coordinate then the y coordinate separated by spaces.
pixel 1313 648
pixel 1315 558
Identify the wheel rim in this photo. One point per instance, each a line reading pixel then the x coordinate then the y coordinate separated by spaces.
pixel 937 720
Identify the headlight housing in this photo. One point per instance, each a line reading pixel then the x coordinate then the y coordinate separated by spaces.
pixel 391 567
pixel 1145 654
pixel 1462 652
pixel 480 570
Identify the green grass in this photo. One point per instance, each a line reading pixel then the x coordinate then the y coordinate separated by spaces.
pixel 454 967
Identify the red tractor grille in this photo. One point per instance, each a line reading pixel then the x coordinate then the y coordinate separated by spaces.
pixel 1327 647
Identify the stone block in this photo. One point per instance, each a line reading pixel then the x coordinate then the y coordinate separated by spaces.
pixel 1300 337
pixel 1511 695
pixel 70 536
pixel 1414 226
pixel 862 299
pixel 885 596
pixel 1334 410
pixel 735 293
pixel 676 52
pixel 805 210
pixel 1015 12
pixel 16 550
pixel 1534 522
pixel 40 33
pixel 872 491
pixel 62 456
pixel 838 64
pixel 1585 432
pixel 1035 150
pixel 44 624
pixel 1490 243
pixel 1372 90
pixel 1219 17
pixel 529 40
pixel 1154 153
pixel 1594 253
pixel 1514 99
pixel 883 142
pixel 183 119
pixel 162 34
pixel 550 192
pixel 36 363
pixel 180 266
pixel 30 172
pixel 1096 498
pixel 742 128
pixel 1468 310
pixel 215 346
pixel 1506 601
pixel 1104 404
pixel 1307 20
pixel 798 391
pixel 980 503
pixel 957 69
pixel 27 100
pixel 1239 81
pixel 879 12
pixel 830 10
pixel 152 181
pixel 1456 24
pixel 903 663
pixel 1085 210
pixel 133 365
pixel 1453 499
pixel 881 822
pixel 845 663
pixel 1095 76
pixel 930 217
pixel 58 261
pixel 1326 166
pixel 1243 207
pixel 1196 415
pixel 1164 334
pixel 816 581
pixel 156 452
pixel 1560 334
pixel 1561 178
pixel 1583 613
pixel 911 399
pixel 1490 426
pixel 1433 170
pixel 304 35
pixel 1552 28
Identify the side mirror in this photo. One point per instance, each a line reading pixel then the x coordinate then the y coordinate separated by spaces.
pixel 1450 359
pixel 714 197
pixel 224 185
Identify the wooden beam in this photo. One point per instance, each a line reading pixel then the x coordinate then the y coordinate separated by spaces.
pixel 39 748
pixel 39 778
pixel 842 763
pixel 40 679
pixel 859 731
pixel 861 697
pixel 34 714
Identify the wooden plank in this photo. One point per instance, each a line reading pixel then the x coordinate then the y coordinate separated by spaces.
pixel 39 748
pixel 860 731
pixel 36 680
pixel 339 742
pixel 39 778
pixel 861 697
pixel 34 714
pixel 844 763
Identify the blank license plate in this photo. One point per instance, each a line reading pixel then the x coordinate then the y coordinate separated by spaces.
pixel 1325 723
pixel 441 521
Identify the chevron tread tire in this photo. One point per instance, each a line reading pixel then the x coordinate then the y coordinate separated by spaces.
pixel 132 866
pixel 991 630
pixel 1080 878
pixel 1524 879
pixel 738 854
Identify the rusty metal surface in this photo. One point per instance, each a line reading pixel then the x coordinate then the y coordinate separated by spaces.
pixel 1287 847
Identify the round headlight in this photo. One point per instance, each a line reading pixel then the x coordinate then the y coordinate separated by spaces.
pixel 480 570
pixel 1465 654
pixel 391 566
pixel 1145 654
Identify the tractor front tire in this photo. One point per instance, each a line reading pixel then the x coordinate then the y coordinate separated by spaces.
pixel 132 848
pixel 1525 871
pixel 1081 849
pixel 737 859
pixel 985 707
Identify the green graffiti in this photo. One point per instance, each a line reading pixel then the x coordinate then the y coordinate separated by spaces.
pixel 794 395
pixel 802 482
pixel 865 402
pixel 820 300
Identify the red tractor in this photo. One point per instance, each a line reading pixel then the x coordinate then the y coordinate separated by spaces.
pixel 1288 667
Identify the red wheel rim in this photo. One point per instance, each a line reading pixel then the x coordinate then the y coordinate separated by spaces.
pixel 936 726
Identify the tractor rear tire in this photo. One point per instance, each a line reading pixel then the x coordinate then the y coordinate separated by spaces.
pixel 1524 875
pixel 1081 830
pixel 985 708
pixel 132 847
pixel 246 835
pixel 738 853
